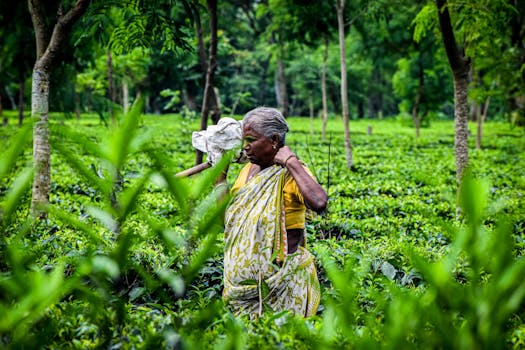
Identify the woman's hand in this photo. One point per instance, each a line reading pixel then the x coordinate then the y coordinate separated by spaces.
pixel 314 195
pixel 283 155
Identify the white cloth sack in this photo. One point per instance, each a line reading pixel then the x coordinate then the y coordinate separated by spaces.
pixel 217 139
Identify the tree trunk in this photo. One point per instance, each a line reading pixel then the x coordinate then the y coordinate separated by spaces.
pixel 11 98
pixel 460 66
pixel 41 147
pixel 125 96
pixel 5 120
pixel 189 98
pixel 375 98
pixel 236 103
pixel 262 90
pixel 323 89
pixel 212 99
pixel 344 91
pixel 281 91
pixel 21 95
pixel 461 126
pixel 415 110
pixel 111 87
pixel 46 53
pixel 472 112
pixel 481 115
pixel 215 103
pixel 311 109
pixel 209 100
pixel 360 110
pixel 77 106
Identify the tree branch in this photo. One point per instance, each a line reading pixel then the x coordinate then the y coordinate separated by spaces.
pixel 39 23
pixel 457 62
pixel 64 22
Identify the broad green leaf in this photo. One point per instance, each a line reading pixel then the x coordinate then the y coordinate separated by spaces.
pixel 206 248
pixel 265 289
pixel 207 178
pixel 248 282
pixel 119 146
pixel 105 264
pixel 104 217
pixel 10 155
pixel 179 188
pixel 79 225
pixel 15 194
pixel 175 281
pixel 128 199
pixel 102 185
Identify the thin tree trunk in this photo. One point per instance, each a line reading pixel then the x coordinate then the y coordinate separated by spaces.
pixel 41 147
pixel 460 66
pixel 262 90
pixel 204 67
pixel 215 103
pixel 209 100
pixel 11 98
pixel 5 120
pixel 517 37
pixel 236 103
pixel 344 90
pixel 323 89
pixel 212 99
pixel 111 87
pixel 46 53
pixel 415 109
pixel 360 110
pixel 281 91
pixel 125 96
pixel 21 95
pixel 461 126
pixel 473 111
pixel 189 98
pixel 77 106
pixel 481 115
pixel 311 109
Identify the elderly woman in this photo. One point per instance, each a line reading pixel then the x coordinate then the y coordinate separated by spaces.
pixel 265 261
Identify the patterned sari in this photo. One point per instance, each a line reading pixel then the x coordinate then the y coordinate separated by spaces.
pixel 258 272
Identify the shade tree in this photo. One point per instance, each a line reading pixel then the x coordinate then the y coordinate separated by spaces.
pixel 48 42
pixel 497 80
pixel 145 23
pixel 464 27
pixel 208 63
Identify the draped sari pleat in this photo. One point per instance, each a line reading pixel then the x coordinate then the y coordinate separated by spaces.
pixel 258 272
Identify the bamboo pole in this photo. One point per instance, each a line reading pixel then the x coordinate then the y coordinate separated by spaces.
pixel 194 170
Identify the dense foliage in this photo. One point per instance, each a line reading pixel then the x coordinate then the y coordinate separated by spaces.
pixel 122 49
pixel 130 255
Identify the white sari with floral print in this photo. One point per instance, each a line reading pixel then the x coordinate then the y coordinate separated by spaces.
pixel 258 272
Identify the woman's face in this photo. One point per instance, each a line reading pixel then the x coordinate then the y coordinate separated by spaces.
pixel 258 148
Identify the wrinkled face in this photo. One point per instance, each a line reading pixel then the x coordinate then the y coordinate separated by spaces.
pixel 258 148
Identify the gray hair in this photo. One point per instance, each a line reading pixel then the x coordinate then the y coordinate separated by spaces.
pixel 267 122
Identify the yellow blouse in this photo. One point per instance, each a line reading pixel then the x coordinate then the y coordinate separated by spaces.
pixel 294 207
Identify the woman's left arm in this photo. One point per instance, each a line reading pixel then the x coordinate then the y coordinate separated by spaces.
pixel 314 195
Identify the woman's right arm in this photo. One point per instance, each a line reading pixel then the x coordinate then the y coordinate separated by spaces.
pixel 314 195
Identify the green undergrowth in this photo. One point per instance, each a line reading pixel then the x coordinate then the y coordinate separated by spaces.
pixel 130 256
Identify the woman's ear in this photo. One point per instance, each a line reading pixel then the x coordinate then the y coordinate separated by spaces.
pixel 276 140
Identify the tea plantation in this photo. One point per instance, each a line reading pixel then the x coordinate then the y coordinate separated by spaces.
pixel 130 256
